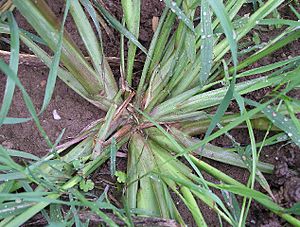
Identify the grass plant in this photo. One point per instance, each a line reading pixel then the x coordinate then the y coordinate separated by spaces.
pixel 191 74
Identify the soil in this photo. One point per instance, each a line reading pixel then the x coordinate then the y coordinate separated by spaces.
pixel 76 113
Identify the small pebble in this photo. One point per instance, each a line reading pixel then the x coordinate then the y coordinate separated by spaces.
pixel 56 115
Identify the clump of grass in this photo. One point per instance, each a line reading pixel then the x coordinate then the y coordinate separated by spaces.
pixel 174 101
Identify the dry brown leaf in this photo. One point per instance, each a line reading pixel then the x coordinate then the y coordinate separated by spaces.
pixel 154 23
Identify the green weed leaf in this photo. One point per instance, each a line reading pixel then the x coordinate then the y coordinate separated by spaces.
pixel 121 177
pixel 86 185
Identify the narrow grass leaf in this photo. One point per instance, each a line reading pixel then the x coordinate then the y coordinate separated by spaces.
pixel 55 62
pixel 239 189
pixel 6 159
pixel 207 42
pixel 231 125
pixel 132 177
pixel 282 40
pixel 29 104
pixel 12 176
pixel 207 195
pixel 56 216
pixel 232 204
pixel 263 69
pixel 250 193
pixel 152 53
pixel 190 45
pixel 94 208
pixel 92 12
pixel 131 10
pixel 62 73
pixel 252 147
pixel 57 141
pixel 113 153
pixel 295 209
pixel 21 154
pixel 33 37
pixel 295 11
pixel 46 24
pixel 74 211
pixel 180 14
pixel 176 145
pixel 291 23
pixel 231 35
pixel 13 208
pixel 13 64
pixel 6 188
pixel 30 212
pixel 292 112
pixel 280 121
pixel 193 206
pixel 218 153
pixel 221 109
pixel 103 132
pixel 224 19
pixel 118 26
pixel 104 76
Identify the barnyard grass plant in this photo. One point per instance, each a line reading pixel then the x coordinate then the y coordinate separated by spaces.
pixel 190 76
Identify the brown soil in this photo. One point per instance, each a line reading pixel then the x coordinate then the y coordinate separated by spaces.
pixel 76 113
